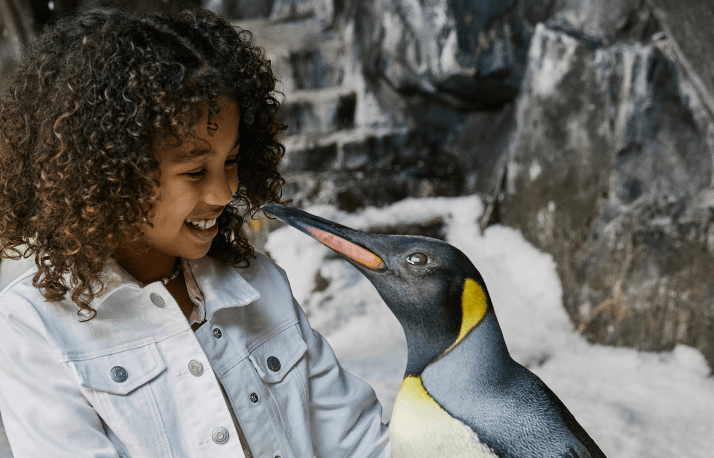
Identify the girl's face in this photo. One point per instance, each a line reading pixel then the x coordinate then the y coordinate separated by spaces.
pixel 197 180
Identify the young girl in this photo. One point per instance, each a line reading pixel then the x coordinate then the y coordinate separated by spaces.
pixel 132 149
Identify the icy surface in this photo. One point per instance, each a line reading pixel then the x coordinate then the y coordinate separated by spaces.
pixel 634 404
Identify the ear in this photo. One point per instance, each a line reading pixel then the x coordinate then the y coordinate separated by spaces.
pixel 473 307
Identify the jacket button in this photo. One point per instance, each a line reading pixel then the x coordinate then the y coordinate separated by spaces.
pixel 118 374
pixel 195 367
pixel 253 398
pixel 220 435
pixel 157 300
pixel 273 364
pixel 217 333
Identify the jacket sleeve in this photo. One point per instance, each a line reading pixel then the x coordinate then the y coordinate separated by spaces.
pixel 345 415
pixel 44 413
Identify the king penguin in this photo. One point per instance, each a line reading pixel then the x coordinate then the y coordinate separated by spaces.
pixel 463 396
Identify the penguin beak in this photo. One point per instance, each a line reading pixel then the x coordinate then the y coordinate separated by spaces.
pixel 341 239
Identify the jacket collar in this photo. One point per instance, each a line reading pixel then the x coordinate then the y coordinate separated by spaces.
pixel 220 284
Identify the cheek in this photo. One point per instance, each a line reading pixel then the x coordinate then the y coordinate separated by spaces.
pixel 174 205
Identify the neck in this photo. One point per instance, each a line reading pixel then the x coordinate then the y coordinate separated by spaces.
pixel 485 352
pixel 425 345
pixel 145 264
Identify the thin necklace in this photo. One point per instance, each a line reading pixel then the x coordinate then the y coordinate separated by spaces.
pixel 178 270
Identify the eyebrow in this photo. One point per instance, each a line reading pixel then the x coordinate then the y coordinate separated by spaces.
pixel 192 154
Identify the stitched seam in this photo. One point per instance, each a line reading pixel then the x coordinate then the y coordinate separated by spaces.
pixel 160 367
pixel 104 401
pixel 228 365
pixel 129 388
pixel 83 356
pixel 304 386
pixel 156 416
pixel 280 375
pixel 166 445
pixel 19 279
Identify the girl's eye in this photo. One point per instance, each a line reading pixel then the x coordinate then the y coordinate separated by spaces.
pixel 417 259
pixel 197 174
pixel 200 173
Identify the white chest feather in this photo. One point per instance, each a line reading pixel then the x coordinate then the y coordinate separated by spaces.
pixel 420 428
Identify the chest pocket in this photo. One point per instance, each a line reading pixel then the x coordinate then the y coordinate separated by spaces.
pixel 119 387
pixel 280 364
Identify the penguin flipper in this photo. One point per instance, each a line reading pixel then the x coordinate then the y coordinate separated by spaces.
pixel 590 448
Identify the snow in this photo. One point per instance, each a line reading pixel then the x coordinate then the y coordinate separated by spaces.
pixel 634 404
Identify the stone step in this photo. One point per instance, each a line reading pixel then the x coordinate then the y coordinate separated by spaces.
pixel 352 190
pixel 319 110
pixel 304 54
pixel 348 149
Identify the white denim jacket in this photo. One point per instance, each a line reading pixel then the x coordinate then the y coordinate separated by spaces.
pixel 137 382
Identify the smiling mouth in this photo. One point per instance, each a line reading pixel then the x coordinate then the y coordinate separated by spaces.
pixel 203 224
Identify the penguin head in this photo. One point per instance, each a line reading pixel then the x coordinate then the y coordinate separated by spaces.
pixel 432 288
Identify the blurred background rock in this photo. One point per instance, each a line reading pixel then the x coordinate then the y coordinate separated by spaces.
pixel 586 124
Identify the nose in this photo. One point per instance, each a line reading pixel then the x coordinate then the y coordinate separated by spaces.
pixel 220 188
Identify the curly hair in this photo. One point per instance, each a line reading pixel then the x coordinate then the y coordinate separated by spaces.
pixel 79 117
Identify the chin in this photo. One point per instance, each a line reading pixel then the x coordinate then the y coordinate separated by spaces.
pixel 195 254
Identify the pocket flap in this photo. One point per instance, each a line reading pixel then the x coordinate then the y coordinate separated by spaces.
pixel 277 355
pixel 122 372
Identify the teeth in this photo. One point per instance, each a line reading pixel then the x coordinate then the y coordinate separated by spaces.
pixel 202 224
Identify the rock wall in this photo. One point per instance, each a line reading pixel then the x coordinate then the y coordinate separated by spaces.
pixel 610 171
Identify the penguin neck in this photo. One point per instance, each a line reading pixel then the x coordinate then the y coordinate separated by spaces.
pixel 429 327
pixel 480 337
pixel 424 346
pixel 481 355
pixel 428 340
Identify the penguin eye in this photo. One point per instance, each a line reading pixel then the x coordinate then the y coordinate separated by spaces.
pixel 417 259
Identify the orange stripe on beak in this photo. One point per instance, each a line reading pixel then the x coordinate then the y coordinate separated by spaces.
pixel 356 253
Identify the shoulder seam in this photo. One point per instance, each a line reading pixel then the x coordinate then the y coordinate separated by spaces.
pixel 17 280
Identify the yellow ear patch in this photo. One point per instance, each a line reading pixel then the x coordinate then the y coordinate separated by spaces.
pixel 473 308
